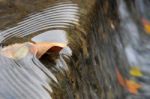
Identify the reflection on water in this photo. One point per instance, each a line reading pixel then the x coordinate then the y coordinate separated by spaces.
pixel 51 36
pixel 59 16
pixel 74 49
pixel 24 76
pixel 23 79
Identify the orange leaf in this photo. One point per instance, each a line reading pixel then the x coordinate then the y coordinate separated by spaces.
pixel 146 25
pixel 132 86
pixel 120 78
pixel 147 28
pixel 43 47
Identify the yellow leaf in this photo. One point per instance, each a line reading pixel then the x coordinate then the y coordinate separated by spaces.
pixel 146 25
pixel 147 28
pixel 135 71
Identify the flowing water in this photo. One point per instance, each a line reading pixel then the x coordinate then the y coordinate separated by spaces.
pixel 106 57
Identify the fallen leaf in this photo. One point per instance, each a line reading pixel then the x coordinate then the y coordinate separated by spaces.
pixel 146 25
pixel 43 47
pixel 120 78
pixel 15 51
pixel 147 28
pixel 21 52
pixel 132 86
pixel 18 51
pixel 135 71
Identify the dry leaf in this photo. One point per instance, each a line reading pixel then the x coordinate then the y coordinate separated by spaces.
pixel 146 24
pixel 135 71
pixel 132 86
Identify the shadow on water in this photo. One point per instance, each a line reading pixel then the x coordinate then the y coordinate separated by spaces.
pixel 106 56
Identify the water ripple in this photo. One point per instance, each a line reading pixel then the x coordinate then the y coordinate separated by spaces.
pixel 58 16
